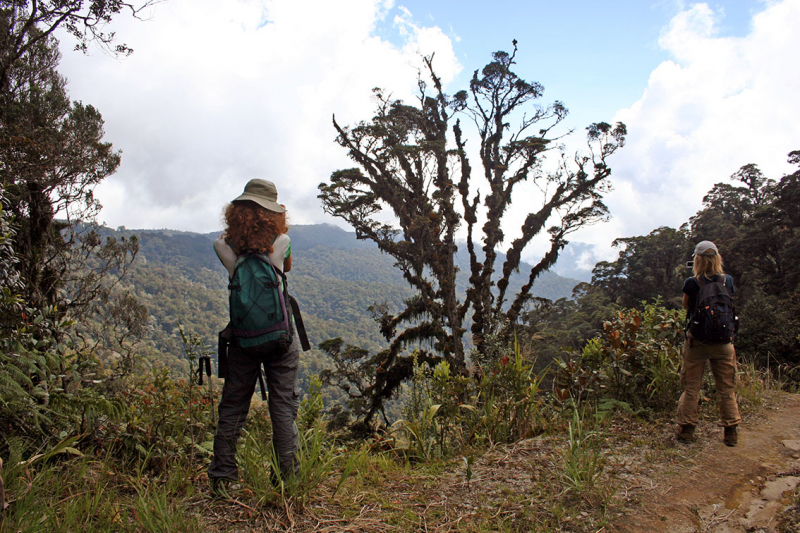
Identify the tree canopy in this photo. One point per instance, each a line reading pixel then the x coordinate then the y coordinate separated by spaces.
pixel 648 266
pixel 27 23
pixel 53 155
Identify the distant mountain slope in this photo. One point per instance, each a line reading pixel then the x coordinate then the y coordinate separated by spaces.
pixel 335 277
pixel 369 264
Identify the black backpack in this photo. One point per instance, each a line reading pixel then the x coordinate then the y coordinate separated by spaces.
pixel 714 318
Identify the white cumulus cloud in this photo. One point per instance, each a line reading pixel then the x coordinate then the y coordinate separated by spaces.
pixel 721 102
pixel 218 92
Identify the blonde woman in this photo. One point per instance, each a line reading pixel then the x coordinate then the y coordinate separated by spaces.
pixel 707 269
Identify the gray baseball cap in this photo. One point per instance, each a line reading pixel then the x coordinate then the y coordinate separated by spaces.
pixel 706 248
pixel 262 192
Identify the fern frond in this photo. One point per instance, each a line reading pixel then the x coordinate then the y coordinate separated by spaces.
pixel 10 375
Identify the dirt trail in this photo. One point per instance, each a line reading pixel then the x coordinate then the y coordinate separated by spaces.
pixel 718 489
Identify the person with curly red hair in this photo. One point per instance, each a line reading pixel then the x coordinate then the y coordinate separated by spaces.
pixel 256 223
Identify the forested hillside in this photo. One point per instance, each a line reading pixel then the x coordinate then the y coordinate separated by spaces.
pixel 335 277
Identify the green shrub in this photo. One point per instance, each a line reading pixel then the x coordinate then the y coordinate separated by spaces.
pixel 770 336
pixel 509 400
pixel 446 413
pixel 636 361
pixel 32 364
pixel 166 421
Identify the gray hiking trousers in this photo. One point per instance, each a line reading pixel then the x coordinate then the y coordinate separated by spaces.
pixel 284 400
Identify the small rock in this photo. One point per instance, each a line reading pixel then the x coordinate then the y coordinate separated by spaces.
pixel 775 489
pixel 793 445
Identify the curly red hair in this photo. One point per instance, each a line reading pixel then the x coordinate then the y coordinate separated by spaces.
pixel 251 227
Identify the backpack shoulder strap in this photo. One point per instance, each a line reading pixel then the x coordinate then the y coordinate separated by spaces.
pixel 278 272
pixel 240 258
pixel 298 323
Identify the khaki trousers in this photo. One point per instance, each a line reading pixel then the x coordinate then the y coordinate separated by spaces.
pixel 722 359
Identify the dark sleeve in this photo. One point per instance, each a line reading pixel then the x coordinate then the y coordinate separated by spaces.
pixel 729 284
pixel 691 287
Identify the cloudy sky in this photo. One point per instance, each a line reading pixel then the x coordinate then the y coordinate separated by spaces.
pixel 221 91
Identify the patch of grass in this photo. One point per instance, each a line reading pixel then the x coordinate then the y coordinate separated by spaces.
pixel 582 459
pixel 750 385
pixel 87 495
pixel 156 507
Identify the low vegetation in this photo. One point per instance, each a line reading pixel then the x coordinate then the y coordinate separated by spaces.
pixel 137 461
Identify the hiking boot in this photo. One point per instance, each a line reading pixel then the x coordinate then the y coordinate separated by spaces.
pixel 731 436
pixel 685 434
pixel 223 487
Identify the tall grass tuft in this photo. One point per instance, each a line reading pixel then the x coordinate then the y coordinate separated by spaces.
pixel 317 459
pixel 582 459
pixel 583 463
pixel 510 404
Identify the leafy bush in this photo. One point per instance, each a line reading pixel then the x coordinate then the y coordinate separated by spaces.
pixel 509 401
pixel 636 361
pixel 31 366
pixel 446 413
pixel 166 421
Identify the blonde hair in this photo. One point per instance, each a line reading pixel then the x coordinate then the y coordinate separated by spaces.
pixel 707 265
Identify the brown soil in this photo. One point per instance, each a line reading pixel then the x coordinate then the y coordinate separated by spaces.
pixel 713 488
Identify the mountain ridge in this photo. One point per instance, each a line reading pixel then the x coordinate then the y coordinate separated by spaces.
pixel 308 237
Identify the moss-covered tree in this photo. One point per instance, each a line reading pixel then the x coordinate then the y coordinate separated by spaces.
pixel 26 24
pixel 413 162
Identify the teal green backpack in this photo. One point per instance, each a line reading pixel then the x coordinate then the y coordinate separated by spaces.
pixel 259 300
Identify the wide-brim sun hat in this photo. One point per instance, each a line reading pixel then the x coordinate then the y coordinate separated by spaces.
pixel 706 248
pixel 262 192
